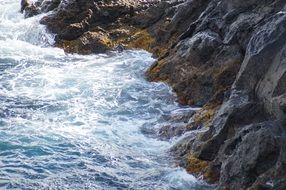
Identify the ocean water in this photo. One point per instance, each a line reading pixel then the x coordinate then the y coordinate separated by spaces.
pixel 69 121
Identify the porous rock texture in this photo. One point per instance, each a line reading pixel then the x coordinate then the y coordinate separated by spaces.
pixel 228 56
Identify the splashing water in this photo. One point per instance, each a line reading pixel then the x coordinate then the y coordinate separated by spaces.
pixel 72 121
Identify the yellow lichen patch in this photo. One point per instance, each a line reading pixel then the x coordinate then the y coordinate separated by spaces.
pixel 70 46
pixel 120 34
pixel 132 37
pixel 141 39
pixel 160 50
pixel 201 168
pixel 106 41
pixel 98 37
pixel 196 166
pixel 154 72
pixel 205 115
pixel 211 176
pixel 89 42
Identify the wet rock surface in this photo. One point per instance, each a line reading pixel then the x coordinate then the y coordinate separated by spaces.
pixel 227 56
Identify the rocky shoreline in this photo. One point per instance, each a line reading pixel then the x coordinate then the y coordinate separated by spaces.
pixel 227 56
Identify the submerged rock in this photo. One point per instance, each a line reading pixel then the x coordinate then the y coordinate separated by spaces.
pixel 24 4
pixel 119 48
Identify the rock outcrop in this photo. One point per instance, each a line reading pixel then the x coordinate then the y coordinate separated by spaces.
pixel 89 26
pixel 231 60
pixel 228 56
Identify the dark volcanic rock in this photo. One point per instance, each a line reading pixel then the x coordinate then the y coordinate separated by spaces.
pixel 254 151
pixel 248 132
pixel 199 56
pixel 232 53
pixel 29 9
pixel 49 5
pixel 71 20
pixel 24 4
